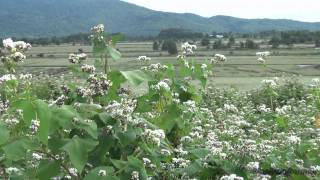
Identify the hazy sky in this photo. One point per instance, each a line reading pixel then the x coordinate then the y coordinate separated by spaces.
pixel 305 10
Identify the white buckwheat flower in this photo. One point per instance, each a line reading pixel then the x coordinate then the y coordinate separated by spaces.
pixel 294 140
pixel 154 136
pixel 253 166
pixel 35 124
pixel 162 85
pixel 231 177
pixel 88 68
pixel 135 175
pixel 187 48
pixel 102 173
pixel 218 58
pixel 98 28
pixel 144 59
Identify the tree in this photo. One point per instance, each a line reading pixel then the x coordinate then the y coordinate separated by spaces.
pixel 178 33
pixel 231 42
pixel 217 44
pixel 250 44
pixel 317 43
pixel 205 41
pixel 170 46
pixel 155 46
pixel 275 42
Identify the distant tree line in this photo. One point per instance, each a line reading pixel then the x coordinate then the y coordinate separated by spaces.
pixel 178 33
pixel 276 38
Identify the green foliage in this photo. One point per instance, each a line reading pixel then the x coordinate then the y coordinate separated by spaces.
pixel 155 46
pixel 170 46
pixel 250 44
pixel 205 41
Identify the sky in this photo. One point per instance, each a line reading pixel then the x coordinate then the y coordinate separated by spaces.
pixel 303 10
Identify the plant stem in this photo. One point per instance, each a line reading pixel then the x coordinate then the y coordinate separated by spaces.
pixel 105 64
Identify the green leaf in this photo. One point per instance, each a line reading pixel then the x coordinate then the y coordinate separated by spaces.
pixel 48 169
pixel 126 138
pixel 135 77
pixel 282 122
pixel 200 153
pixel 90 128
pixel 117 37
pixel 118 163
pixel 299 177
pixel 193 169
pixel 28 108
pixel 117 79
pixel 15 150
pixel 44 115
pixel 62 117
pixel 4 135
pixel 114 53
pixel 135 162
pixel 78 150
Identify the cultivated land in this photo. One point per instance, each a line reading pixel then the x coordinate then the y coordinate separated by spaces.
pixel 241 70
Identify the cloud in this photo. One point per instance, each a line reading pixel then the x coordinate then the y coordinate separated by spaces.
pixel 306 10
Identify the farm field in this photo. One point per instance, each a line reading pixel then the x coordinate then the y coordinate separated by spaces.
pixel 241 69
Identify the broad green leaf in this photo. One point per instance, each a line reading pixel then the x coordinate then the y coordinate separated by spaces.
pixel 4 134
pixel 136 164
pixel 117 37
pixel 29 111
pixel 44 115
pixel 114 53
pixel 78 150
pixel 193 169
pixel 282 122
pixel 48 169
pixel 118 163
pixel 90 128
pixel 16 150
pixel 136 77
pixel 62 117
pixel 117 79
pixel 126 138
pixel 200 153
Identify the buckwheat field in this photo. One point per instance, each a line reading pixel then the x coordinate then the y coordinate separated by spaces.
pixel 99 119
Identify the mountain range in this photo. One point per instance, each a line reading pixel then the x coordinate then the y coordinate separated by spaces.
pixel 43 18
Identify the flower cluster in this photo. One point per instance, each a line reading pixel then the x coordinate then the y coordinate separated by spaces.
pixel 98 85
pixel 218 58
pixel 35 124
pixel 270 83
pixel 231 177
pixel 20 46
pixel 14 53
pixel 262 56
pixel 155 68
pixel 4 105
pixel 154 136
pixel 144 59
pixel 188 49
pixel 162 85
pixel 122 111
pixel 97 29
pixel 7 77
pixel 77 58
pixel 88 68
